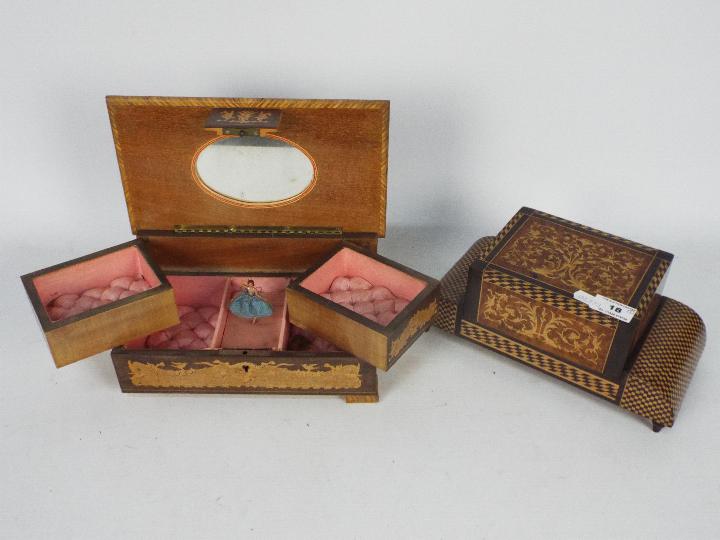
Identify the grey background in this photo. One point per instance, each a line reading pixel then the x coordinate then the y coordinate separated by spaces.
pixel 607 113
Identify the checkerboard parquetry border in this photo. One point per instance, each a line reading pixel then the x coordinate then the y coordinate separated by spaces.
pixel 453 285
pixel 527 355
pixel 657 382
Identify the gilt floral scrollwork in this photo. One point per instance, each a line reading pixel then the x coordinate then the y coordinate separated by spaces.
pixel 418 320
pixel 245 115
pixel 264 375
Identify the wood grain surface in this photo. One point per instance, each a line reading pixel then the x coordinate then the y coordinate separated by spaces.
pixel 156 139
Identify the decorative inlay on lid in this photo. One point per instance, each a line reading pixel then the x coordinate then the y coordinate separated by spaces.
pixel 570 260
pixel 243 118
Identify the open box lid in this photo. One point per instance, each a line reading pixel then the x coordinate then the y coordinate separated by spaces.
pixel 160 143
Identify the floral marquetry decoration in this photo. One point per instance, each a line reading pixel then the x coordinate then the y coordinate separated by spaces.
pixel 572 260
pixel 548 328
pixel 244 118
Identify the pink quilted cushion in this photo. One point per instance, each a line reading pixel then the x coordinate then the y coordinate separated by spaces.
pixel 195 331
pixel 67 305
pixel 376 303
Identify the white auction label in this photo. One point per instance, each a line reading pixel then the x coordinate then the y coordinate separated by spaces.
pixel 584 297
pixel 606 305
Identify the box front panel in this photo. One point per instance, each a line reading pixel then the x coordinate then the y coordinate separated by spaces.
pixel 546 363
pixel 553 323
pixel 545 329
pixel 213 372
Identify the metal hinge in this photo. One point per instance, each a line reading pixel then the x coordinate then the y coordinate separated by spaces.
pixel 240 230
pixel 241 132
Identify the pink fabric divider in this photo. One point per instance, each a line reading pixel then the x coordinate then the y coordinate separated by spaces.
pixel 284 326
pixel 191 293
pixel 222 318
pixel 94 274
pixel 266 333
pixel 198 290
pixel 202 291
pixel 348 262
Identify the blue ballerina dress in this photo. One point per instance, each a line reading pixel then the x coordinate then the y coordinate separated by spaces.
pixel 249 305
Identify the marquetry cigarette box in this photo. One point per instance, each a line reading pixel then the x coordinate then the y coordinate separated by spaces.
pixel 377 322
pixel 231 201
pixel 516 294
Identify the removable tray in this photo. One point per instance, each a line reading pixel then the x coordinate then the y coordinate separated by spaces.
pixel 377 340
pixel 85 331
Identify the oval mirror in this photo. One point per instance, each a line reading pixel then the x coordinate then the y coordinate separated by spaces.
pixel 255 170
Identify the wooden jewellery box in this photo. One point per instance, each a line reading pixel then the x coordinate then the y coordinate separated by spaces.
pixel 515 294
pixel 225 196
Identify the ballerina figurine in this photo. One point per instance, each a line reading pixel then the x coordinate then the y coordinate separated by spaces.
pixel 249 304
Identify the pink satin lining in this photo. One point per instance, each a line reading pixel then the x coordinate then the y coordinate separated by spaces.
pixel 206 322
pixel 369 287
pixel 105 279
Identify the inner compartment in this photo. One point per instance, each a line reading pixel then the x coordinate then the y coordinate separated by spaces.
pixel 371 288
pixel 94 283
pixel 199 301
pixel 206 321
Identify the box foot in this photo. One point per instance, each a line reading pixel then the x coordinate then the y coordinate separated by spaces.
pixel 657 427
pixel 362 398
